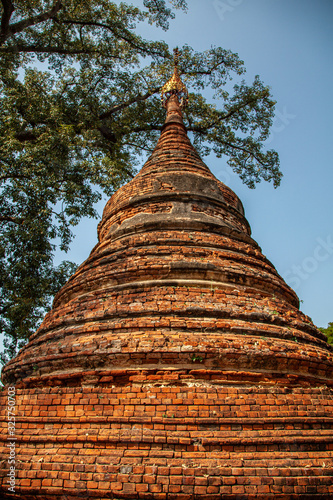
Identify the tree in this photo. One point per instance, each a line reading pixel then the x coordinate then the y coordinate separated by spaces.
pixel 78 109
pixel 328 332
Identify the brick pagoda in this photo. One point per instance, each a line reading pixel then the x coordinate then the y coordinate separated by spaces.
pixel 175 364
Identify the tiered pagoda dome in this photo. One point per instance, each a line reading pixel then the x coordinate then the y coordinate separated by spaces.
pixel 175 363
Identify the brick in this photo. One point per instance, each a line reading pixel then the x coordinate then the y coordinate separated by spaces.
pixel 148 479
pixel 141 487
pixel 129 487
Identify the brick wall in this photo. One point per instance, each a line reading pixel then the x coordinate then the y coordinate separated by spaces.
pixel 155 439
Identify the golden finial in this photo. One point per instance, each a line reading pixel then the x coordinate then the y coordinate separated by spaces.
pixel 175 86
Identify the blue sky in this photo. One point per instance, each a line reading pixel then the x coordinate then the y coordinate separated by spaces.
pixel 289 43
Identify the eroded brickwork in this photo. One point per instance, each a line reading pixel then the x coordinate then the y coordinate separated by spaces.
pixel 175 363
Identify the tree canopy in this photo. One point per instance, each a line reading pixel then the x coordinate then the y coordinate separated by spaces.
pixel 79 106
pixel 328 332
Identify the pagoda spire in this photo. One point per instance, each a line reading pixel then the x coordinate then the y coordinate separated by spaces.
pixel 174 95
pixel 175 86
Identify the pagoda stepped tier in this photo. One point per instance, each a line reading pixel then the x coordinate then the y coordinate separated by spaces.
pixel 175 363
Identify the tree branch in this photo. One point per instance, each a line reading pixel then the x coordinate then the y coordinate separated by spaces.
pixel 129 173
pixel 25 136
pixel 232 146
pixel 4 309
pixel 234 111
pixel 118 34
pixel 31 21
pixel 137 146
pixel 146 128
pixel 222 117
pixel 107 133
pixel 8 9
pixel 13 176
pixel 8 218
pixel 48 50
pixel 125 104
pixel 246 150
pixel 206 72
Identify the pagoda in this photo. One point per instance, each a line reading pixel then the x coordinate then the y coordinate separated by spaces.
pixel 175 363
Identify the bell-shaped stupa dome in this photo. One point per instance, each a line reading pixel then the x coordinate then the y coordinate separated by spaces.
pixel 175 363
